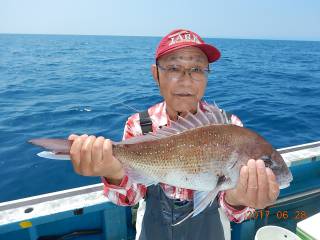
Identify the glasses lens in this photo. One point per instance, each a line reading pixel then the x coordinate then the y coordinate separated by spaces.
pixel 198 73
pixel 175 71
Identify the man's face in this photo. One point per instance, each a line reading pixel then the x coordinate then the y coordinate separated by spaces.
pixel 181 94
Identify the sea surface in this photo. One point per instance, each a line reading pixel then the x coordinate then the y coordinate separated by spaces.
pixel 52 86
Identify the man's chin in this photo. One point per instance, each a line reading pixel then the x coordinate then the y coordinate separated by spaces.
pixel 184 107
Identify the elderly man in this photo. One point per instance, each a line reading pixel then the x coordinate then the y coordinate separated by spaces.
pixel 181 72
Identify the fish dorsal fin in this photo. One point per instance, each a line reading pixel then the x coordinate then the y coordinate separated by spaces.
pixel 192 119
pixel 178 126
pixel 211 115
pixel 216 115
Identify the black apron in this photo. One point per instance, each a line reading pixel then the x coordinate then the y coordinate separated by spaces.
pixel 161 212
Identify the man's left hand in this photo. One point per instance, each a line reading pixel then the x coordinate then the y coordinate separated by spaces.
pixel 256 188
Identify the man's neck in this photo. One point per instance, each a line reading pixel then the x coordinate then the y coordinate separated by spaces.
pixel 173 115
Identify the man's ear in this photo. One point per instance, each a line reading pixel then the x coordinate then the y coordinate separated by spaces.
pixel 155 73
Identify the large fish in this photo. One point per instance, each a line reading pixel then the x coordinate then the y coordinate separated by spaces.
pixel 202 152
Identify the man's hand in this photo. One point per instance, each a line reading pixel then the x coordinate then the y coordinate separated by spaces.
pixel 256 188
pixel 92 156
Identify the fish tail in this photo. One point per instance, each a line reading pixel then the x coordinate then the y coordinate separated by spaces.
pixel 56 145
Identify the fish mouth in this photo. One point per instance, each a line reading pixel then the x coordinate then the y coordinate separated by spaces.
pixel 284 185
pixel 284 181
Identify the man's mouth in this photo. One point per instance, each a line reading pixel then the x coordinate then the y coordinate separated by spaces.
pixel 183 95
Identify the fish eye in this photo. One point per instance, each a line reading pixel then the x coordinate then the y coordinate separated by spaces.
pixel 267 161
pixel 221 179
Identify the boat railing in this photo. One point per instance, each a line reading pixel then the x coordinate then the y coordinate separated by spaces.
pixel 86 208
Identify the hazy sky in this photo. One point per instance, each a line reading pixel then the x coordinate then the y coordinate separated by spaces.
pixel 264 19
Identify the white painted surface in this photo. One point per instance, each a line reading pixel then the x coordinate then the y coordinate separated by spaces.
pixel 311 226
pixel 52 206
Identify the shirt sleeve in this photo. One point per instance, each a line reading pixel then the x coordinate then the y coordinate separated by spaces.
pixel 127 193
pixel 233 214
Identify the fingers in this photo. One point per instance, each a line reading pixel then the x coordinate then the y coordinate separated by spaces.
pixel 252 183
pixel 83 151
pixel 257 186
pixel 243 180
pixel 86 156
pixel 116 170
pixel 263 185
pixel 238 195
pixel 273 185
pixel 107 149
pixel 92 156
pixel 97 155
pixel 75 151
pixel 72 137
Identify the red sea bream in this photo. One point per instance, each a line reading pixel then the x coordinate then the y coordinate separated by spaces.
pixel 203 152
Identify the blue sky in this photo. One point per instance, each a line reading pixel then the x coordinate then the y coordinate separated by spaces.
pixel 262 19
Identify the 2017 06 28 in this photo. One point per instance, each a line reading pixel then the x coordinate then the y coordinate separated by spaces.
pixel 281 214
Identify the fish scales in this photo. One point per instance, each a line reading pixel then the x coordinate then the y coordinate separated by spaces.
pixel 200 150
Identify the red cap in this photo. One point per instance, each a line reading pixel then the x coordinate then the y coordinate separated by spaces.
pixel 181 38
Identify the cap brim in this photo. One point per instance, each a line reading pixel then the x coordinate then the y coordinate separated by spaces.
pixel 213 54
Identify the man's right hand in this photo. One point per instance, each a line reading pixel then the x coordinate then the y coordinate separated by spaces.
pixel 92 156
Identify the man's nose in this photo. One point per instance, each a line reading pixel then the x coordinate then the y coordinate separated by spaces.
pixel 186 76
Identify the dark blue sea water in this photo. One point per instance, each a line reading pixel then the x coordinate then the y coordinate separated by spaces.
pixel 51 86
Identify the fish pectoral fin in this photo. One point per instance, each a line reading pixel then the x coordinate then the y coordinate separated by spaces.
pixel 201 200
pixel 137 177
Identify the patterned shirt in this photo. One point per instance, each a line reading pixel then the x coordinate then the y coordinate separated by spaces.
pixel 129 193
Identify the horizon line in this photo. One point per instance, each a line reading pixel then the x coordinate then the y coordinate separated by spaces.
pixel 155 36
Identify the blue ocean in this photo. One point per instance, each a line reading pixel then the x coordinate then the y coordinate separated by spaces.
pixel 52 86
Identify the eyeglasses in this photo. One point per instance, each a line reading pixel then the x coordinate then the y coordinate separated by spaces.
pixel 178 71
